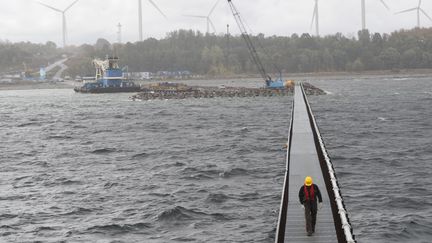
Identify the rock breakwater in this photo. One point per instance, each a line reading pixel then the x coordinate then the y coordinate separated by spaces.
pixel 182 91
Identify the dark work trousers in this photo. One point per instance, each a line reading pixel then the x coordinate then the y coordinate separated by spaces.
pixel 310 216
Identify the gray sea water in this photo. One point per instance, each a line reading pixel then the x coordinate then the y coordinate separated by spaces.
pixel 102 168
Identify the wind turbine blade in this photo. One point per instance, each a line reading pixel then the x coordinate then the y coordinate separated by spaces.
pixel 214 6
pixel 212 25
pixel 195 16
pixel 426 14
pixel 313 17
pixel 420 1
pixel 385 4
pixel 55 9
pixel 158 9
pixel 64 29
pixel 408 10
pixel 71 5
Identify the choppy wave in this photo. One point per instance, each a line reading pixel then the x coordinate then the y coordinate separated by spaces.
pixel 104 151
pixel 161 171
pixel 217 198
pixel 114 229
pixel 180 215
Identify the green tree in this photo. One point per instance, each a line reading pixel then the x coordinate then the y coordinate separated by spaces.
pixel 390 58
pixel 358 65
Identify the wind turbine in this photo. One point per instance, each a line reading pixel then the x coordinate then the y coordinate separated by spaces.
pixel 418 9
pixel 63 12
pixel 315 18
pixel 209 22
pixel 140 28
pixel 363 8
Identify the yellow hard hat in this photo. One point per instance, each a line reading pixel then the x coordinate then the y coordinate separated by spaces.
pixel 308 181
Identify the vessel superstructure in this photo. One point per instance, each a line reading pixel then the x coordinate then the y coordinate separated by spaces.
pixel 108 78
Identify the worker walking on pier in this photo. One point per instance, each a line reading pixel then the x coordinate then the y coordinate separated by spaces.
pixel 308 195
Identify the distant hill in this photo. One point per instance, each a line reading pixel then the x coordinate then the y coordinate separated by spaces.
pixel 222 55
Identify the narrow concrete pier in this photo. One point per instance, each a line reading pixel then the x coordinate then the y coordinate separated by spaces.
pixel 306 158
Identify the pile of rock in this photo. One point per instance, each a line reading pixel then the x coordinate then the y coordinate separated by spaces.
pixel 182 91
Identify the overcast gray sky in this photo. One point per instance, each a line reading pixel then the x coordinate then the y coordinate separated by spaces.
pixel 26 20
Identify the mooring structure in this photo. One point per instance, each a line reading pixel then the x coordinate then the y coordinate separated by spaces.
pixel 307 156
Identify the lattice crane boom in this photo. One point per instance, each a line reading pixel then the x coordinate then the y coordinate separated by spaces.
pixel 251 47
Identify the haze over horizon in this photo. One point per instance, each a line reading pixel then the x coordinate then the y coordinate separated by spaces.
pixel 88 20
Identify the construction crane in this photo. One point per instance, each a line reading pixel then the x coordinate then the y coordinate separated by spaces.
pixel 278 84
pixel 101 66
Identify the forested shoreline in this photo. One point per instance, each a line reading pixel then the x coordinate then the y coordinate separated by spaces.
pixel 219 55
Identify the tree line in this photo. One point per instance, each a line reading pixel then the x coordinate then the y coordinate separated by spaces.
pixel 210 54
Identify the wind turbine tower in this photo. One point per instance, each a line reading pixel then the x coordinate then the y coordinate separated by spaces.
pixel 316 19
pixel 363 11
pixel 419 11
pixel 63 12
pixel 140 28
pixel 207 18
pixel 227 45
pixel 119 33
